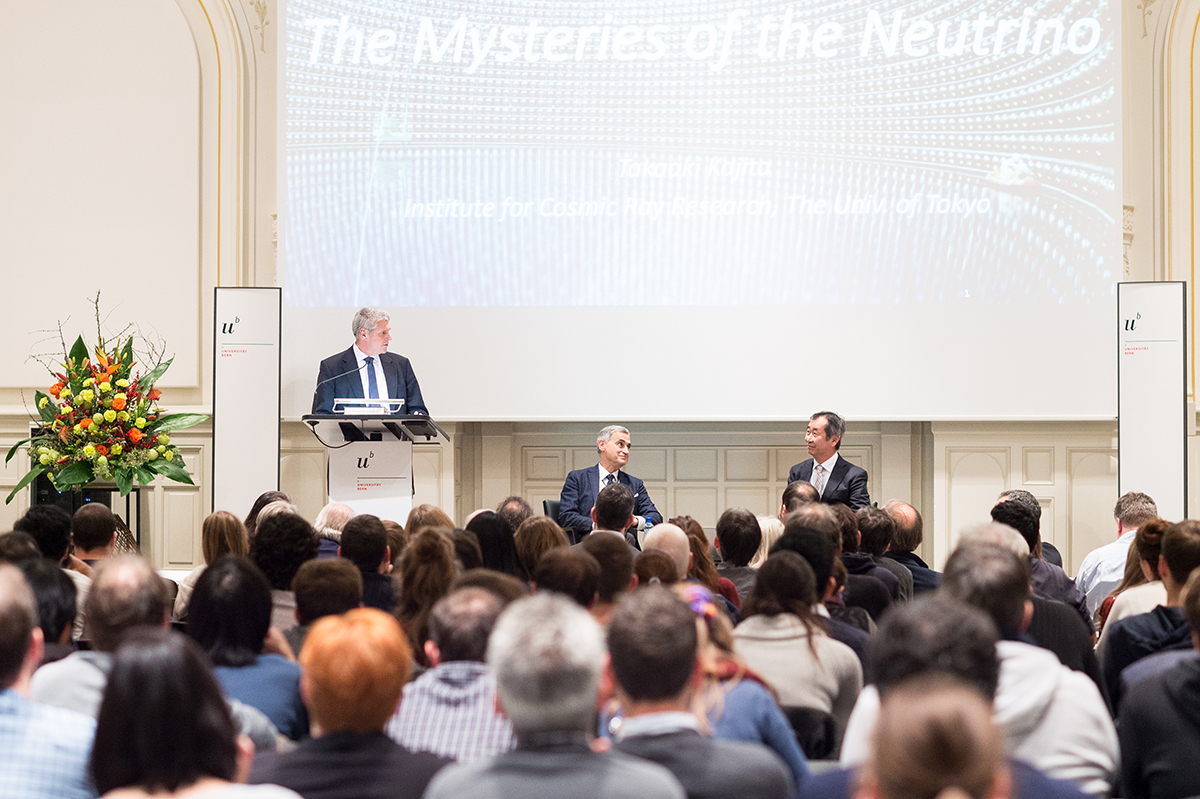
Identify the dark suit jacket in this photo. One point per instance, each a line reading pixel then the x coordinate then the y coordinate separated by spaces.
pixel 347 382
pixel 579 495
pixel 713 769
pixel 847 484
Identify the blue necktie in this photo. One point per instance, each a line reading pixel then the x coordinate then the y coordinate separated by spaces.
pixel 372 385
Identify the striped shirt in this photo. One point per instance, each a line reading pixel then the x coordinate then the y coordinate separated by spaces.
pixel 450 711
pixel 44 750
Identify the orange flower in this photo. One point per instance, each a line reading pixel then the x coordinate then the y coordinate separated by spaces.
pixel 85 423
pixel 135 435
pixel 118 403
pixel 101 449
pixel 56 389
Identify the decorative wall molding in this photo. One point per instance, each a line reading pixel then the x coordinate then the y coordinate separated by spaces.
pixel 1127 235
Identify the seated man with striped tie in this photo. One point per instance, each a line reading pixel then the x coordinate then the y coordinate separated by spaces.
pixel 367 370
pixel 837 480
pixel 582 486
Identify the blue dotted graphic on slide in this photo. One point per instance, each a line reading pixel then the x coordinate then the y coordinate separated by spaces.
pixel 697 152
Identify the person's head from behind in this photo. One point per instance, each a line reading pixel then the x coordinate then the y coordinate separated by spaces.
pixel 655 567
pixel 568 571
pixel 264 499
pixel 427 568
pixel 614 508
pixel 818 551
pixel 55 593
pixel 993 579
pixel 326 587
pixel 21 638
pixel 1148 544
pixel 230 611
pixel 17 547
pixel 671 539
pixel 652 645
pixel 771 528
pixel 738 536
pixel 1180 554
pixel 1133 509
pixel 223 534
pixel 365 544
pixel 616 566
pixel 910 529
pixel 163 724
pixel 426 516
pixel 836 521
pixel 496 543
pixel 797 495
pixel 354 668
pixel 460 624
pixel 785 584
pixel 126 593
pixel 333 517
pixel 1190 600
pixel 505 587
pixel 547 654
pixel 1019 516
pixel 535 537
pixel 516 511
pixel 282 543
pixel 93 528
pixel 877 530
pixel 934 634
pixel 50 527
pixel 935 739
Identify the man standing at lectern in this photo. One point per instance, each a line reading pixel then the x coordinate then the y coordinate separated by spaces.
pixel 367 370
pixel 837 480
pixel 583 485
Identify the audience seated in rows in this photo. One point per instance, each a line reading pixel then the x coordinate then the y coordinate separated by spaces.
pixel 222 533
pixel 450 709
pixel 50 527
pixel 328 526
pixel 535 537
pixel 701 567
pixel 516 511
pixel 496 543
pixel 908 535
pixel 656 669
pixel 354 670
pixel 877 529
pixel 655 567
pixel 771 528
pixel 569 571
pixel 323 587
pixel 616 577
pixel 264 499
pixel 1103 567
pixel 467 554
pixel 868 585
pixel 738 539
pixel 547 654
pixel 426 573
pixel 1134 596
pixel 230 618
pixel 281 544
pixel 55 595
pixel 94 532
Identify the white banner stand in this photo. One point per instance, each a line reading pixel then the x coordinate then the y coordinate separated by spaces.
pixel 246 368
pixel 1152 393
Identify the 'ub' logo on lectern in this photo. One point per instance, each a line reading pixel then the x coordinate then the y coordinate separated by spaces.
pixel 1131 323
pixel 365 462
pixel 227 327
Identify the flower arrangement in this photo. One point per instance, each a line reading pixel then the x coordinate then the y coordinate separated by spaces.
pixel 101 421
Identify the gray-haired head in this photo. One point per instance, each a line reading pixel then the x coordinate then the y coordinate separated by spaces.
pixel 995 533
pixel 367 318
pixel 546 652
pixel 606 433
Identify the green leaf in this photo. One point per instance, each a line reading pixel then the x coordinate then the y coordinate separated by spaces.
pixel 175 421
pixel 47 413
pixel 144 475
pixel 79 351
pixel 77 473
pixel 127 353
pixel 148 380
pixel 26 480
pixel 124 479
pixel 171 470
pixel 14 449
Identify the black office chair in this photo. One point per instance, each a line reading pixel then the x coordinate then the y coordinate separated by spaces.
pixel 550 508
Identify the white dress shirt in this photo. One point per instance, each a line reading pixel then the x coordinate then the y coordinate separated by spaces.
pixel 828 466
pixel 377 365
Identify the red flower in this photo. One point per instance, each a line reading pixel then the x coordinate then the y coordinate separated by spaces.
pixel 154 394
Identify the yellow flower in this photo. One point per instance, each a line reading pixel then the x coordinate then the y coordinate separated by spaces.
pixel 49 475
pixel 169 456
pixel 66 392
pixel 44 460
pixel 88 382
pixel 110 415
pixel 101 461
pixel 88 451
pixel 98 418
pixel 161 448
pixel 116 449
pixel 152 455
pixel 123 416
pixel 78 428
pixel 105 386
pixel 67 409
pixel 140 422
pixel 87 395
pixel 163 438
pixel 123 383
pixel 43 402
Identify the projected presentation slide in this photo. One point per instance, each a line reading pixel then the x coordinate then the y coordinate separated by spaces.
pixel 699 152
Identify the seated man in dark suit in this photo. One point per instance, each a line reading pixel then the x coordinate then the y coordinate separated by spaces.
pixel 547 653
pixel 838 480
pixel 654 663
pixel 365 544
pixel 367 370
pixel 582 485
pixel 909 535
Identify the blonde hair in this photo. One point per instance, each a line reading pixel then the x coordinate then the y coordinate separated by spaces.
pixel 222 534
pixel 355 666
pixel 426 516
pixel 772 529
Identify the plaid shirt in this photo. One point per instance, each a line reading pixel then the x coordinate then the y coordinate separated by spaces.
pixel 44 750
pixel 450 711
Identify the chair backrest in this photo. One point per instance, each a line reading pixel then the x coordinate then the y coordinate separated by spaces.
pixel 814 731
pixel 550 508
